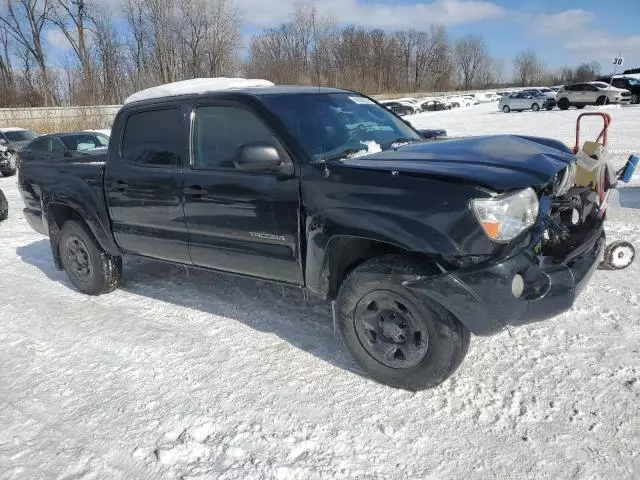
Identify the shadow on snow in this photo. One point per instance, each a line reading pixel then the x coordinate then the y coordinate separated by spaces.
pixel 305 323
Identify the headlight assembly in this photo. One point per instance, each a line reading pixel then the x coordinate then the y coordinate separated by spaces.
pixel 504 217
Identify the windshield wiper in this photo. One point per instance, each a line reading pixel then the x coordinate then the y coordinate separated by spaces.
pixel 343 154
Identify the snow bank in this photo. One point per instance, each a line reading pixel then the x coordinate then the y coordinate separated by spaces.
pixel 196 85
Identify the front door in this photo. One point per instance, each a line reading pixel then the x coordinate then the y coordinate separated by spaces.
pixel 144 186
pixel 238 221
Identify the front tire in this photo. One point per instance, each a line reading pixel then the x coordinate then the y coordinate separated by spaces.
pixel 635 99
pixel 9 173
pixel 396 337
pixel 602 100
pixel 535 107
pixel 91 270
pixel 564 104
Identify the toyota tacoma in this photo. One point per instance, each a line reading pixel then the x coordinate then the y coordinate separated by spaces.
pixel 417 243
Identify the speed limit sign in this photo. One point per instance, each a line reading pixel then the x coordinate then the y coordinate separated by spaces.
pixel 618 61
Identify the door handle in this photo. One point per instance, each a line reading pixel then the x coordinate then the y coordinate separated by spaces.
pixel 195 191
pixel 119 186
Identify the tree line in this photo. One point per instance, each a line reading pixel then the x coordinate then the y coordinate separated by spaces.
pixel 151 42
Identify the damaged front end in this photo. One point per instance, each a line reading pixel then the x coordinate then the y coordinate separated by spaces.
pixel 537 276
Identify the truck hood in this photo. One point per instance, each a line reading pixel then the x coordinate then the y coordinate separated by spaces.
pixel 499 162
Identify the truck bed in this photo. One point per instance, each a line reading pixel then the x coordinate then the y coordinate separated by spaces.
pixel 61 181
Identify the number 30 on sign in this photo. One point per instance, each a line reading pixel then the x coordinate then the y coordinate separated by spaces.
pixel 618 61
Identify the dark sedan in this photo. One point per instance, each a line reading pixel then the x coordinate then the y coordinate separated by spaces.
pixel 434 106
pixel 57 145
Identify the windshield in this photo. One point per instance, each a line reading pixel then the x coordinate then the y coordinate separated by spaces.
pixel 85 141
pixel 337 125
pixel 20 135
pixel 546 90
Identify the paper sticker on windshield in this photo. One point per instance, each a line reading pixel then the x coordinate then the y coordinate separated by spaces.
pixel 361 100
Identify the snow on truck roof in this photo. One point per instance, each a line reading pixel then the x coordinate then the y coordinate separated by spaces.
pixel 195 86
pixel 12 129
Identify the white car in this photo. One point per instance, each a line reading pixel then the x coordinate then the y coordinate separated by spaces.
pixel 471 99
pixel 591 93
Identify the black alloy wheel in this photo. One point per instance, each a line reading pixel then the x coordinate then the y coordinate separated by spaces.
pixel 391 330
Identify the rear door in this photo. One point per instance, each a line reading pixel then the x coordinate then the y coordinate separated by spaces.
pixel 143 183
pixel 239 221
pixel 590 93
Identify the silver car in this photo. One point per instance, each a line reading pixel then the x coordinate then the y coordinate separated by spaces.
pixel 520 101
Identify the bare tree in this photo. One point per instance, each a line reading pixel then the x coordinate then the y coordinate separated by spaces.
pixel 470 52
pixel 527 68
pixel 24 21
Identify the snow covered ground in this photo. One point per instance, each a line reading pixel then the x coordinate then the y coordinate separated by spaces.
pixel 188 374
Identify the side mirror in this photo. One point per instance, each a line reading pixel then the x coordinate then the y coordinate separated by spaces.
pixel 260 157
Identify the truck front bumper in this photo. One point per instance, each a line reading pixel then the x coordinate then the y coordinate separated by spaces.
pixel 482 297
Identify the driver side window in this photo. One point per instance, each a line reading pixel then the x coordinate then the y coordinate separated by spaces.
pixel 57 146
pixel 219 131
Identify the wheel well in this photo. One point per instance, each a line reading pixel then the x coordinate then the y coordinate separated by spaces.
pixel 57 215
pixel 346 253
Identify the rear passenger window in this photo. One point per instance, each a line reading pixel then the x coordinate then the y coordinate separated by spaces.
pixel 219 131
pixel 41 144
pixel 153 138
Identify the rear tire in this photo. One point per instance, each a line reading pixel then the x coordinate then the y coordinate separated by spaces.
pixel 91 270
pixel 4 215
pixel 535 107
pixel 398 338
pixel 506 109
pixel 564 104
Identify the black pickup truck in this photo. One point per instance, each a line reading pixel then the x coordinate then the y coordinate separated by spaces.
pixel 419 243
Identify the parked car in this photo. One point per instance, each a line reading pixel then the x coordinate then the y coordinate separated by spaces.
pixel 471 100
pixel 7 162
pixel 455 101
pixel 13 139
pixel 521 101
pixel 590 93
pixel 543 90
pixel 419 245
pixel 626 83
pixel 398 108
pixel 434 106
pixel 4 207
pixel 60 145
